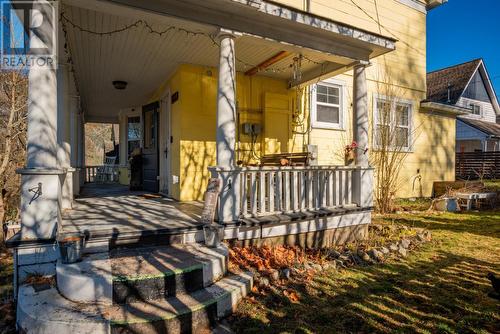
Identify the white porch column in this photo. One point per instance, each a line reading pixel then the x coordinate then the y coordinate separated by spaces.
pixel 64 131
pixel 226 102
pixel 360 115
pixel 226 130
pixel 363 174
pixel 41 179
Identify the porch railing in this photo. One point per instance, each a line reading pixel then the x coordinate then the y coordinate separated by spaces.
pixel 92 173
pixel 260 191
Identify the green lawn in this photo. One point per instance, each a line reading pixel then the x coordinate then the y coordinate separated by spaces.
pixel 439 288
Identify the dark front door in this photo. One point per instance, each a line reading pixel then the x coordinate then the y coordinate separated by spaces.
pixel 150 165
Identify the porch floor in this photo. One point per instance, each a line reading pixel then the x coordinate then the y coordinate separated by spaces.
pixel 105 208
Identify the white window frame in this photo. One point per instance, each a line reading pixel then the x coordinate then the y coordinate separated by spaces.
pixel 392 122
pixel 472 105
pixel 341 85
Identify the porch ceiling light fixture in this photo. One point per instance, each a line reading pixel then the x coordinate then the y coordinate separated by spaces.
pixel 119 84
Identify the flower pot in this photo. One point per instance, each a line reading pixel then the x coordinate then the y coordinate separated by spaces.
pixel 71 247
pixel 214 234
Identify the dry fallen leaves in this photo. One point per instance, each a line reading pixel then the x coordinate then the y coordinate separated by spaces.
pixel 291 295
pixel 265 258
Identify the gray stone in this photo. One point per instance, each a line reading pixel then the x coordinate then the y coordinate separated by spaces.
pixel 334 254
pixel 402 251
pixel 339 263
pixel 344 258
pixel 405 243
pixel 330 265
pixel 274 275
pixel 262 281
pixel 317 267
pixel 286 273
pixel 393 247
pixel 364 256
pixel 375 254
pixel 384 250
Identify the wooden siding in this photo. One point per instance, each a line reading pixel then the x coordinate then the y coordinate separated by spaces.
pixel 406 66
pixel 487 111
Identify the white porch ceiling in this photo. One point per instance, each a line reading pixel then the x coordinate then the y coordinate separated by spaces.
pixel 145 60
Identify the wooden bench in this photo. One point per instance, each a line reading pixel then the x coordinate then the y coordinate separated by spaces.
pixel 286 159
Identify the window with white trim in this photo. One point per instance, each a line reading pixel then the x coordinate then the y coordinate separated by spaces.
pixel 327 106
pixel 393 124
pixel 475 109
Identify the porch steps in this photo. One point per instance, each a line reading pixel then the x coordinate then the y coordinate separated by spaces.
pixel 180 289
pixel 165 271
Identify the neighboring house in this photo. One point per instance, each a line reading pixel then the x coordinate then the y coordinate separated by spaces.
pixel 468 86
pixel 207 88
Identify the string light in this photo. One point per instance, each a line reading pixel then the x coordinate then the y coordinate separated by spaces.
pixel 160 33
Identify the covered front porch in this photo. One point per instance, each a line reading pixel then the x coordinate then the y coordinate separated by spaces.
pixel 114 210
pixel 273 53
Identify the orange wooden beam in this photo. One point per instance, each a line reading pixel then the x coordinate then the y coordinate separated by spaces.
pixel 268 62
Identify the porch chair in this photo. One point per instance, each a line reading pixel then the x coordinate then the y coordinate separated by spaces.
pixel 106 172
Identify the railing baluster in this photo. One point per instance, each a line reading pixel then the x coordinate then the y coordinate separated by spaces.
pixel 310 192
pixel 270 191
pixel 286 189
pixel 338 187
pixel 244 194
pixel 303 189
pixel 322 188
pixel 342 187
pixel 279 191
pixel 349 187
pixel 253 194
pixel 294 190
pixel 262 192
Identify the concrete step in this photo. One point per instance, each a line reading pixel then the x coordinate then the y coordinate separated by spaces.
pixel 47 312
pixel 127 275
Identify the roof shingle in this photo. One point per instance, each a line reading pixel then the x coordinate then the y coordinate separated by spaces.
pixel 456 77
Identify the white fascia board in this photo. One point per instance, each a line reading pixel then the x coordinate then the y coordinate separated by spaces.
pixel 443 108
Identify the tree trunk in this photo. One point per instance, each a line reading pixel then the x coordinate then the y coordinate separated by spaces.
pixel 2 211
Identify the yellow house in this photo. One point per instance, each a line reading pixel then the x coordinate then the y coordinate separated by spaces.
pixel 283 106
pixel 269 95
pixel 284 102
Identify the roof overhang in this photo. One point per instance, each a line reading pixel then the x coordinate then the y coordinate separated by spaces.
pixel 268 20
pixel 443 109
pixel 431 4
